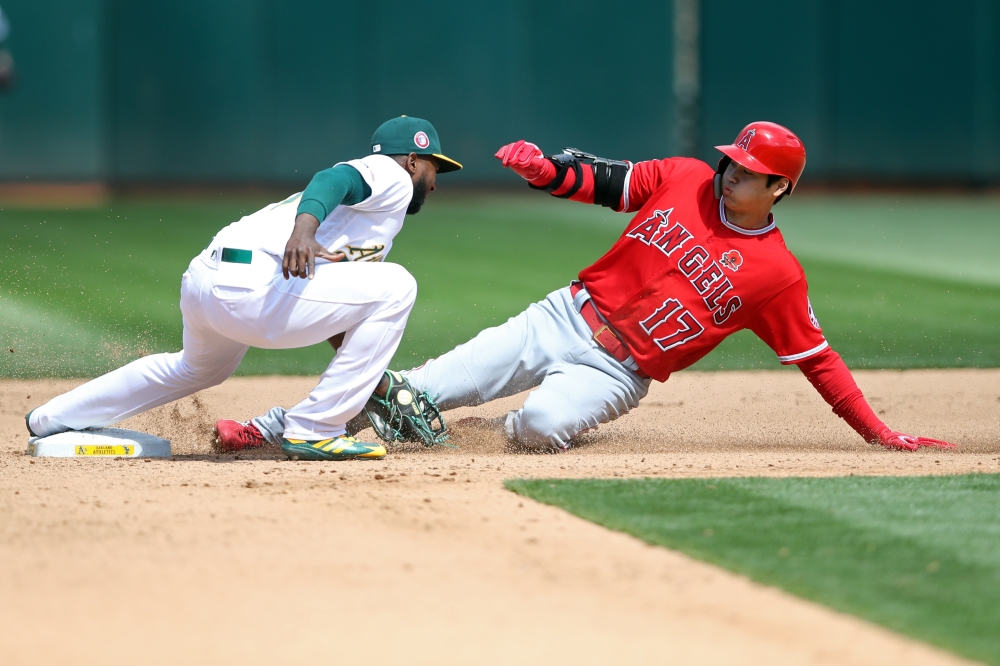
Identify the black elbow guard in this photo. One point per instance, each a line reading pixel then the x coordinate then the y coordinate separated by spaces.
pixel 609 181
pixel 609 177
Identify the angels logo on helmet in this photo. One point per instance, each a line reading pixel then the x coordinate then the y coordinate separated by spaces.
pixel 744 141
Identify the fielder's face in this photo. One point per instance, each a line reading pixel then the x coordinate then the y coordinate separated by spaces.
pixel 424 176
pixel 746 190
pixel 427 168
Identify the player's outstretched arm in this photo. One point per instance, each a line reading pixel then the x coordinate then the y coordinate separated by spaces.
pixel 620 186
pixel 565 176
pixel 828 373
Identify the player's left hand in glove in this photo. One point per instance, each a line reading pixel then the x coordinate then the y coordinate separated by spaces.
pixel 403 415
pixel 526 160
pixel 892 439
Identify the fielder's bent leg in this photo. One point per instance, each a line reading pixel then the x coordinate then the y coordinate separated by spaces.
pixel 365 305
pixel 371 303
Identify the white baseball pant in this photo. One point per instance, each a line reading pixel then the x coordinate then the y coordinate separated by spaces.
pixel 228 308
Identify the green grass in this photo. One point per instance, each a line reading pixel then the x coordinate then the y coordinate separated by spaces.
pixel 82 291
pixel 952 237
pixel 919 555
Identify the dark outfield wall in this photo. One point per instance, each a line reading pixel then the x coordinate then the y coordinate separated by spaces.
pixel 268 91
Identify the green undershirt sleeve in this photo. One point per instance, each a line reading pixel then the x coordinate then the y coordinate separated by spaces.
pixel 336 186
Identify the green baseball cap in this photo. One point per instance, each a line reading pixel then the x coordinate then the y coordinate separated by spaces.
pixel 405 135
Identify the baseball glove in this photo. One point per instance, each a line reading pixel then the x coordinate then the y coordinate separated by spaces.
pixel 404 415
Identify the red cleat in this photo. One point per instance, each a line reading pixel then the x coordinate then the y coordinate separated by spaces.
pixel 232 436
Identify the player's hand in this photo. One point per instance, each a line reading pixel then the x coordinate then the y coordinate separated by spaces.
pixel 897 440
pixel 526 160
pixel 302 250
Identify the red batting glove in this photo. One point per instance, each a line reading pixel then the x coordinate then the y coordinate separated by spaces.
pixel 527 161
pixel 897 440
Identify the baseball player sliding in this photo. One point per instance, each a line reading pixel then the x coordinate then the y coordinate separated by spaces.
pixel 700 260
pixel 295 273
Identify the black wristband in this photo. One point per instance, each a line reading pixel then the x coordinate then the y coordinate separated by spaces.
pixel 578 172
pixel 563 163
pixel 562 168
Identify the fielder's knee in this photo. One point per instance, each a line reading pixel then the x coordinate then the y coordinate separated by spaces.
pixel 403 286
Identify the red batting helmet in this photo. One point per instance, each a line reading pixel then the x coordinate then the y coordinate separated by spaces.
pixel 768 148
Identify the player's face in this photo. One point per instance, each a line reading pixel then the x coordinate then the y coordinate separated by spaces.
pixel 424 182
pixel 746 189
pixel 427 168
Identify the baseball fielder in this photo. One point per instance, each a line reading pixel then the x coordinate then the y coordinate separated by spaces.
pixel 245 290
pixel 700 260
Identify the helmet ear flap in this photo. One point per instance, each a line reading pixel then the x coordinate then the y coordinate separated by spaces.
pixel 717 180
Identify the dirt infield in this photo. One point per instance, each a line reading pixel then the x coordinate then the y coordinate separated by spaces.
pixel 424 558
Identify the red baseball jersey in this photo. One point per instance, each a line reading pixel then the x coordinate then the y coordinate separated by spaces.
pixel 681 278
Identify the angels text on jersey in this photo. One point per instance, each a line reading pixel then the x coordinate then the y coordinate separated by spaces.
pixel 671 324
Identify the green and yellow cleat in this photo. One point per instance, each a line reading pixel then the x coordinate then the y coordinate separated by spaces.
pixel 335 448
